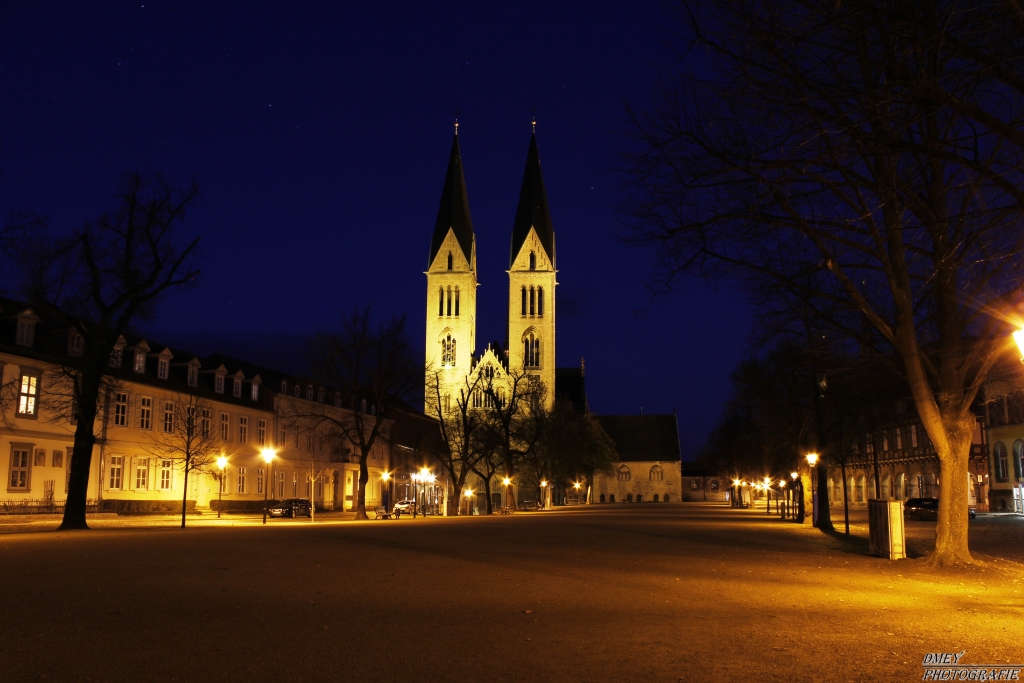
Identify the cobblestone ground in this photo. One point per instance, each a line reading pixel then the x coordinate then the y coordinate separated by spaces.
pixel 669 592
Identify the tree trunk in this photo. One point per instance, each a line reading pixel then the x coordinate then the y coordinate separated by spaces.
pixel 81 463
pixel 184 497
pixel 846 495
pixel 951 542
pixel 824 521
pixel 487 489
pixel 364 476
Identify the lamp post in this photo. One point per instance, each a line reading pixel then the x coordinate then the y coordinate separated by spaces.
pixel 768 495
pixel 505 482
pixel 576 486
pixel 544 492
pixel 222 462
pixel 268 457
pixel 385 477
pixel 735 492
pixel 783 499
pixel 469 502
pixel 798 494
pixel 812 460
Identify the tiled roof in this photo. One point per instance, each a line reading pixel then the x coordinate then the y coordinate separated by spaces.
pixel 643 437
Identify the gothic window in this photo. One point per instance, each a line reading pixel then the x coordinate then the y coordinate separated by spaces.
pixel 533 302
pixel 625 474
pixel 478 399
pixel 449 301
pixel 448 351
pixel 1001 461
pixel 533 261
pixel 657 474
pixel 524 300
pixel 1018 459
pixel 284 386
pixel 456 302
pixel 449 260
pixel 531 351
pixel 440 301
pixel 540 301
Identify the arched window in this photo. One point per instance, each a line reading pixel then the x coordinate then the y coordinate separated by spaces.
pixel 533 302
pixel 309 392
pixel 449 260
pixel 657 474
pixel 284 386
pixel 524 300
pixel 533 261
pixel 531 351
pixel 625 474
pixel 602 497
pixel 298 390
pixel 611 498
pixel 456 302
pixel 440 301
pixel 449 301
pixel 540 301
pixel 1018 459
pixel 448 351
pixel 1001 461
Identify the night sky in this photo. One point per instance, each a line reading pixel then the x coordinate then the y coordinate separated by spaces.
pixel 319 133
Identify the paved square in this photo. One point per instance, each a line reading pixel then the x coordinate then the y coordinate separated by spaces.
pixel 646 592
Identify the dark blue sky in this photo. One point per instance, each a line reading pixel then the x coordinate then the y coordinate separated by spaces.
pixel 319 134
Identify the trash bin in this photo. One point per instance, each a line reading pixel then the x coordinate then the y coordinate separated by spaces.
pixel 885 529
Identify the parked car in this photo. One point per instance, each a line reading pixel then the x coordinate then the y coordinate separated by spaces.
pixel 927 508
pixel 291 507
pixel 403 507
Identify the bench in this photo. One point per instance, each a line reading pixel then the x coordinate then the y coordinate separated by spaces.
pixel 381 513
pixel 507 510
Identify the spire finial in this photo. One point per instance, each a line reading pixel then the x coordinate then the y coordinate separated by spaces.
pixel 533 124
pixel 456 127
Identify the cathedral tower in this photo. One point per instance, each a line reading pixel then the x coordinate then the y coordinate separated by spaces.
pixel 451 284
pixel 531 276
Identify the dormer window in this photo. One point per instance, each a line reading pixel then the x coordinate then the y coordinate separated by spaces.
pixel 116 355
pixel 309 392
pixel 76 343
pixel 255 394
pixel 162 368
pixel 139 365
pixel 449 260
pixel 533 261
pixel 236 390
pixel 193 374
pixel 26 330
pixel 218 384
pixel 284 386
pixel 320 395
pixel 298 390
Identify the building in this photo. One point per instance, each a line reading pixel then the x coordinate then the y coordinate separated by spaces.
pixel 1003 404
pixel 138 458
pixel 649 465
pixel 702 485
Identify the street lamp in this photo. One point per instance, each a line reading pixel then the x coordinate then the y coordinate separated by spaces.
pixel 544 492
pixel 222 462
pixel 812 460
pixel 768 495
pixel 268 456
pixel 385 477
pixel 1018 337
pixel 469 504
pixel 505 482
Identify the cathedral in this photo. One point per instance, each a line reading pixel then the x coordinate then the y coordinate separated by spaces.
pixel 451 293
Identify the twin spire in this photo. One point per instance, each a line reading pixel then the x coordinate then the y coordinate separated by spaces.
pixel 532 211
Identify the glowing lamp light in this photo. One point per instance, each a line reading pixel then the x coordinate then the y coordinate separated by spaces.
pixel 576 486
pixel 782 483
pixel 1018 337
pixel 222 462
pixel 767 482
pixel 268 455
pixel 506 481
pixel 735 482
pixel 544 484
pixel 385 476
pixel 469 493
pixel 794 475
pixel 812 459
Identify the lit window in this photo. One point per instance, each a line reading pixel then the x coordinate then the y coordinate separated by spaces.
pixel 116 354
pixel 28 395
pixel 76 343
pixel 142 474
pixel 225 427
pixel 140 361
pixel 120 410
pixel 243 429
pixel 19 469
pixel 168 417
pixel 241 480
pixel 531 351
pixel 145 413
pixel 165 475
pixel 162 367
pixel 204 425
pixel 261 434
pixel 116 465
pixel 237 388
pixel 218 384
pixel 259 481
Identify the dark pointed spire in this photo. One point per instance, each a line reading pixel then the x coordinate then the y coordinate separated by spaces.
pixel 533 208
pixel 454 210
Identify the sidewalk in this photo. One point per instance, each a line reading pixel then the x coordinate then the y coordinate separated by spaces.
pixel 14 524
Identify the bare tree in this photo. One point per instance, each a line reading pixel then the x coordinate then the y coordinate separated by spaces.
pixel 867 155
pixel 101 279
pixel 189 438
pixel 512 396
pixel 461 426
pixel 374 371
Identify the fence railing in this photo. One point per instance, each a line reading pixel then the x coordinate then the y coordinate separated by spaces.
pixel 39 506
